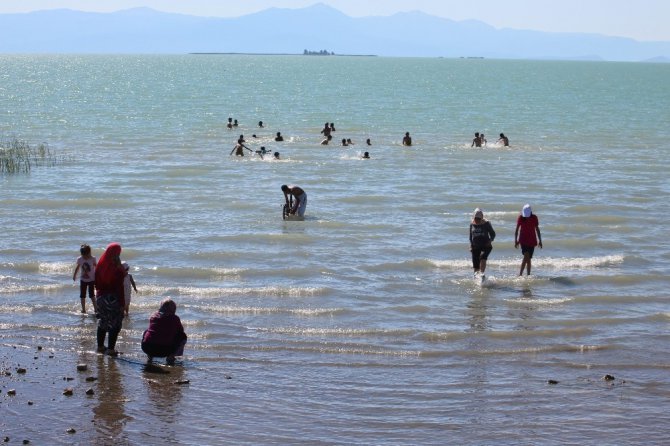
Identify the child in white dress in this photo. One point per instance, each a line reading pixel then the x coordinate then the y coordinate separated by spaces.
pixel 128 282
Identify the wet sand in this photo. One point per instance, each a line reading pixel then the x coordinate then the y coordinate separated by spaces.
pixel 62 397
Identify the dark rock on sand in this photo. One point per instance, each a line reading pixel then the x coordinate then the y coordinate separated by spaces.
pixel 608 377
pixel 68 391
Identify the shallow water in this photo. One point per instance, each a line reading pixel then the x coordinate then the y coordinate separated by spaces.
pixel 361 324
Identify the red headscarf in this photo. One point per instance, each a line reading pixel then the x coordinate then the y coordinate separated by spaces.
pixel 109 273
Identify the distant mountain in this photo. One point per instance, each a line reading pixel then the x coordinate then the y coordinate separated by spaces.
pixel 315 28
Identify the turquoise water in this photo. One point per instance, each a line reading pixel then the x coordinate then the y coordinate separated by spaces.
pixel 361 324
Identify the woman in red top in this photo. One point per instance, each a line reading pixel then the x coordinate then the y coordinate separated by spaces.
pixel 109 277
pixel 527 226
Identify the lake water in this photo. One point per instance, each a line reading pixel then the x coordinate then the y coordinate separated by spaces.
pixel 362 324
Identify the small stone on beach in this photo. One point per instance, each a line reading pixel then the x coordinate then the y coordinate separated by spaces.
pixel 82 367
pixel 182 381
pixel 90 392
pixel 608 377
pixel 11 392
pixel 71 431
pixel 91 378
pixel 552 381
pixel 68 392
pixel 21 370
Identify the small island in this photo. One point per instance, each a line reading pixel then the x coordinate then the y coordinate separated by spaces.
pixel 318 53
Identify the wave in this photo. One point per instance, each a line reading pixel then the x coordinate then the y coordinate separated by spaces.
pixel 239 310
pixel 556 263
pixel 341 332
pixel 272 291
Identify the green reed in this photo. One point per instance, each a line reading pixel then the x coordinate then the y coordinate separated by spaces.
pixel 19 157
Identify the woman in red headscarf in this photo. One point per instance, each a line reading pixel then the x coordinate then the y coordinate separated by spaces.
pixel 109 296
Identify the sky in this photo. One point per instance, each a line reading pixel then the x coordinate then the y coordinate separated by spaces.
pixel 644 20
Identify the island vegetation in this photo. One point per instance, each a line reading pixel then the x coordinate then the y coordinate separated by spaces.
pixel 318 53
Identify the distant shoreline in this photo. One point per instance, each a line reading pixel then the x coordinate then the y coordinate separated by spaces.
pixel 281 54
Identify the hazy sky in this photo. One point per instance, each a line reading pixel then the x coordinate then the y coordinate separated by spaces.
pixel 639 19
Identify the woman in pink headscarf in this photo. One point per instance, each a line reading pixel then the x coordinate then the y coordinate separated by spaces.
pixel 109 297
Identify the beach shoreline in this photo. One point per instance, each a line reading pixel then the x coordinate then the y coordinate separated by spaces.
pixel 56 396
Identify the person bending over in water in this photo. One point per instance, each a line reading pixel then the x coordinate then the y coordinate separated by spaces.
pixel 504 140
pixel 527 227
pixel 299 199
pixel 481 236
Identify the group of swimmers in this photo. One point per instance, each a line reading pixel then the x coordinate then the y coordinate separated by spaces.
pixel 329 127
pixel 480 140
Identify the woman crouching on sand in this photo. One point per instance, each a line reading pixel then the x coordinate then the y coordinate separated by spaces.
pixel 109 277
pixel 165 337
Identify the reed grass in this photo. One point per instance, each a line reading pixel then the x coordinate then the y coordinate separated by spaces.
pixel 19 157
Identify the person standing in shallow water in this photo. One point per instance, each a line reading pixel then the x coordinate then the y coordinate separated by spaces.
pixel 481 238
pixel 110 297
pixel 527 227
pixel 86 264
pixel 407 140
pixel 477 141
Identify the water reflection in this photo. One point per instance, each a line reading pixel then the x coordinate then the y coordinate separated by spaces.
pixel 524 309
pixel 109 412
pixel 163 397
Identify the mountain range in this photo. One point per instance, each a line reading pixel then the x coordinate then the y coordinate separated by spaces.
pixel 314 28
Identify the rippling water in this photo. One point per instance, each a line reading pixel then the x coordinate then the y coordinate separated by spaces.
pixel 361 324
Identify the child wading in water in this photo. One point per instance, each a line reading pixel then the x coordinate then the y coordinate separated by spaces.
pixel 128 287
pixel 86 264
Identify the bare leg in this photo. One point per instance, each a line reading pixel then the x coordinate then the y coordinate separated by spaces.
pixel 482 265
pixel 83 305
pixel 528 266
pixel 524 262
